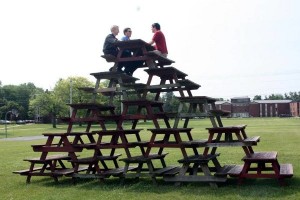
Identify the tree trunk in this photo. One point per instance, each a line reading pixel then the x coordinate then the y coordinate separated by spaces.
pixel 54 121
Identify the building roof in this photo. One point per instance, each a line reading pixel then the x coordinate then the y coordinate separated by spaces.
pixel 245 97
pixel 222 102
pixel 273 101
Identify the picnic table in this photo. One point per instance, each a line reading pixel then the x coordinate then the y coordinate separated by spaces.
pixel 140 51
pixel 52 165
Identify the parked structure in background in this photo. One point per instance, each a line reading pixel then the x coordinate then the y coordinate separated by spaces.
pixel 244 107
pixel 295 109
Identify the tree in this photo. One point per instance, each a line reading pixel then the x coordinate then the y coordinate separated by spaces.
pixel 257 97
pixel 274 97
pixel 48 105
pixel 170 102
pixel 54 103
pixel 18 96
pixel 293 96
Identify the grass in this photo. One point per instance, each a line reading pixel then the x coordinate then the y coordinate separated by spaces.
pixel 277 134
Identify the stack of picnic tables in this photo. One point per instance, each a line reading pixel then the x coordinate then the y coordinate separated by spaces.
pixel 199 162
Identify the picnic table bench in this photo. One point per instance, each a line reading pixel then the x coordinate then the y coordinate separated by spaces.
pixel 262 165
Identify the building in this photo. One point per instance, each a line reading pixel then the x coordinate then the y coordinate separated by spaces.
pixel 240 106
pixel 295 109
pixel 244 107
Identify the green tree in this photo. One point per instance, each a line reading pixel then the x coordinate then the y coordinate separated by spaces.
pixel 274 97
pixel 48 105
pixel 54 103
pixel 257 97
pixel 170 101
pixel 295 96
pixel 18 96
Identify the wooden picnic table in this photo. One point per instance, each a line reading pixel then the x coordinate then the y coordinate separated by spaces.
pixel 49 164
pixel 139 51
pixel 230 136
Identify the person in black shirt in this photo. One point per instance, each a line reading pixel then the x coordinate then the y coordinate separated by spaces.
pixel 108 47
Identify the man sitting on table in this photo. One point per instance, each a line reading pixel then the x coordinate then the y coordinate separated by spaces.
pixel 127 34
pixel 108 46
pixel 159 40
pixel 129 66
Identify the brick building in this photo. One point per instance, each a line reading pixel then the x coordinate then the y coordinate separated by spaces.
pixel 243 107
pixel 295 109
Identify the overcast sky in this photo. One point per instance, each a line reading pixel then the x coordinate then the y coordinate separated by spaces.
pixel 231 48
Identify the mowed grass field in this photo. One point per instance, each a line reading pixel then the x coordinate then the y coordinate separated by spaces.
pixel 277 134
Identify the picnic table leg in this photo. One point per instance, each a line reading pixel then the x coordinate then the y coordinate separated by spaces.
pixel 29 175
pixel 151 170
pixel 244 172
pixel 206 171
pixel 52 168
pixel 182 172
pixel 139 170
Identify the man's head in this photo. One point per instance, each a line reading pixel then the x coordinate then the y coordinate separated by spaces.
pixel 127 32
pixel 114 30
pixel 155 27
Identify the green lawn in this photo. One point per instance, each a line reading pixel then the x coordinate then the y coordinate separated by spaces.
pixel 277 134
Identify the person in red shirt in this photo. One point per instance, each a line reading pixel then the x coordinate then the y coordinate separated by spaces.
pixel 159 40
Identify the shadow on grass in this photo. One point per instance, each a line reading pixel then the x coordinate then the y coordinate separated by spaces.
pixel 253 188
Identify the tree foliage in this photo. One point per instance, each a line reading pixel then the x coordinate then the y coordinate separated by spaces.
pixel 54 103
pixel 17 97
pixel 294 96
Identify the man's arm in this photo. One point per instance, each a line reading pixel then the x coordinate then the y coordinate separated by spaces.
pixel 151 42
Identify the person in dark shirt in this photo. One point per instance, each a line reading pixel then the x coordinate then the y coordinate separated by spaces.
pixel 108 47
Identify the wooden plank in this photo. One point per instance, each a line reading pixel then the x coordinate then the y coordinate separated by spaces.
pixel 57 149
pixel 164 170
pixel 262 156
pixel 119 171
pixel 109 58
pixel 235 171
pixel 188 84
pixel 69 170
pixel 166 72
pixel 217 112
pixel 25 171
pixel 143 159
pixel 133 44
pixel 169 130
pixel 193 178
pixel 251 140
pixel 194 143
pixel 95 176
pixel 112 132
pixel 224 170
pixel 114 76
pixel 161 59
pixel 286 170
pixel 227 129
pixel 87 160
pixel 172 172
pixel 198 158
pixel 138 143
pixel 49 158
pixel 108 157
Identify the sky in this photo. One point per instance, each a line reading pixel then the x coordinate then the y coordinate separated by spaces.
pixel 232 48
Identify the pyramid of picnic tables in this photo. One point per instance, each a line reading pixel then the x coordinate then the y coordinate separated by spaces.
pixel 147 157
